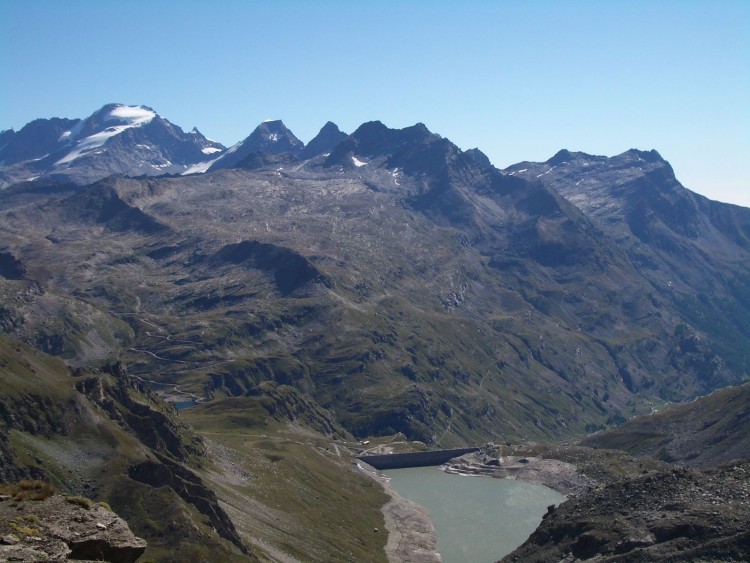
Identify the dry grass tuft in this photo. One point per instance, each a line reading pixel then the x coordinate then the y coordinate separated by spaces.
pixel 28 489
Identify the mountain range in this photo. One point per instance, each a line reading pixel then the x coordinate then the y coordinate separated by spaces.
pixel 378 283
pixel 589 286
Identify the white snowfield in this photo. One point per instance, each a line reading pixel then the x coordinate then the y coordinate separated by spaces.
pixel 132 116
pixel 358 162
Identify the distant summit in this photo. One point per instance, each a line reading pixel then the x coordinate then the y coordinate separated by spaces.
pixel 269 137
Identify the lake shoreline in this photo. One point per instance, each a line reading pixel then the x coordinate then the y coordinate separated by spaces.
pixel 411 534
pixel 563 477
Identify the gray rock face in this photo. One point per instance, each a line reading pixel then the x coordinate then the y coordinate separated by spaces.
pixel 65 528
pixel 710 430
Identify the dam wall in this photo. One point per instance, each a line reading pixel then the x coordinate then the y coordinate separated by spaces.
pixel 414 459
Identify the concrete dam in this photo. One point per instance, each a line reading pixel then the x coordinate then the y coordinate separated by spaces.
pixel 414 459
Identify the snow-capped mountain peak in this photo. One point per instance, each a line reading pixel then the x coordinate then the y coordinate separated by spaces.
pixel 111 120
pixel 116 139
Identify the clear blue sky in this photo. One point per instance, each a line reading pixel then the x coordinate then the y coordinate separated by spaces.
pixel 520 80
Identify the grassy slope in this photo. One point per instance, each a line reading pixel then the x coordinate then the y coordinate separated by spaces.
pixel 291 490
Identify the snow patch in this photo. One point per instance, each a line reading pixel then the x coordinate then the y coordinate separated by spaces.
pixel 273 137
pixel 357 162
pixel 210 150
pixel 133 115
pixel 199 168
pixel 546 172
pixel 71 134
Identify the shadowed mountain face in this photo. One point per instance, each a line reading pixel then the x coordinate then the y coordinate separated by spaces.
pixel 401 283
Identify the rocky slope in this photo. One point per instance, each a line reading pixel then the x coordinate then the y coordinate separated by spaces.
pixel 688 247
pixel 676 515
pixel 250 488
pixel 62 528
pixel 667 514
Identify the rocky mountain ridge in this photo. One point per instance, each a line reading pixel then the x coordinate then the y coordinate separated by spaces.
pixel 103 436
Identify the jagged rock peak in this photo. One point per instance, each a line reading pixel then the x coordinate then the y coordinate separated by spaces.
pixel 330 126
pixel 271 137
pixel 328 137
pixel 564 155
pixel 648 156
pixel 478 158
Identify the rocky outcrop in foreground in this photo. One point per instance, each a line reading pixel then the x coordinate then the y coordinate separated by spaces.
pixel 673 515
pixel 61 528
